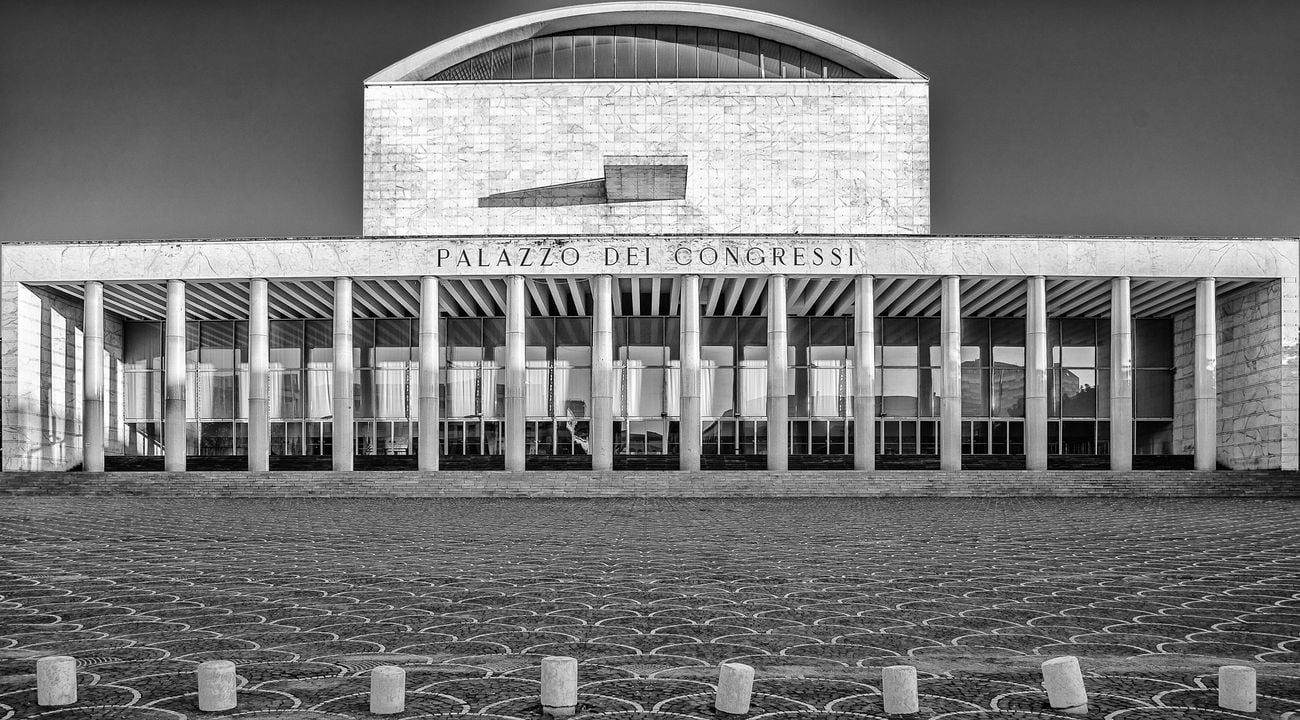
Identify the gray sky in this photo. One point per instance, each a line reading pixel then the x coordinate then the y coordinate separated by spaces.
pixel 137 119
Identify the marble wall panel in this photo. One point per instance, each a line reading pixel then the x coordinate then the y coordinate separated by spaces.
pixel 41 376
pixel 1256 372
pixel 764 157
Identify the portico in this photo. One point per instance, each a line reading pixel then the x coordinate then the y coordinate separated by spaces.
pixel 987 396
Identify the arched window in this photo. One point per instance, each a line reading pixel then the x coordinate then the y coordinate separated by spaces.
pixel 646 52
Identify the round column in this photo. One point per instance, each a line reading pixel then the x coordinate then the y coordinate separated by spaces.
pixel 341 390
pixel 92 364
pixel 778 396
pixel 864 374
pixel 602 375
pixel 950 380
pixel 427 412
pixel 259 359
pixel 175 379
pixel 691 427
pixel 515 375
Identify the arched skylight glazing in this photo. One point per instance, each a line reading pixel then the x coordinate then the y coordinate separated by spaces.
pixel 646 52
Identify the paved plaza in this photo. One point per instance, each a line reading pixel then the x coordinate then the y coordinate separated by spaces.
pixel 307 596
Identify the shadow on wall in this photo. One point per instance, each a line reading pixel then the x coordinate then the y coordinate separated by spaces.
pixel 582 192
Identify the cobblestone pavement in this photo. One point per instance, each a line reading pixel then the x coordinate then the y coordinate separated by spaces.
pixel 306 596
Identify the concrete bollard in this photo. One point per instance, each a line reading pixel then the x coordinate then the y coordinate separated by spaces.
pixel 1064 683
pixel 1237 688
pixel 217 686
pixel 387 690
pixel 735 688
pixel 900 690
pixel 56 680
pixel 559 686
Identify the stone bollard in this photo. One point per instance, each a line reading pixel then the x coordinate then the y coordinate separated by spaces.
pixel 900 690
pixel 1064 683
pixel 56 680
pixel 1237 688
pixel 559 686
pixel 216 686
pixel 387 690
pixel 735 688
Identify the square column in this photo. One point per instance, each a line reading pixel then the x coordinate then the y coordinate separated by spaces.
pixel 92 364
pixel 175 377
pixel 259 360
pixel 864 374
pixel 950 375
pixel 691 427
pixel 427 412
pixel 1205 380
pixel 515 374
pixel 1121 374
pixel 1036 373
pixel 778 398
pixel 602 374
pixel 344 427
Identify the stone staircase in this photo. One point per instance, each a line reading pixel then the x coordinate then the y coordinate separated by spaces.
pixel 657 483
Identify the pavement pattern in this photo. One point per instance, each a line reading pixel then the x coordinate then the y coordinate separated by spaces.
pixel 307 596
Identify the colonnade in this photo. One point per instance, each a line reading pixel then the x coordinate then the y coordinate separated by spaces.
pixel 1205 389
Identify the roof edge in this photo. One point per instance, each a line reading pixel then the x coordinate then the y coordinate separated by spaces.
pixel 847 52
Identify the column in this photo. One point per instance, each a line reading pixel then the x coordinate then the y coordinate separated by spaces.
pixel 341 388
pixel 1036 373
pixel 950 379
pixel 1205 380
pixel 864 374
pixel 778 398
pixel 92 364
pixel 602 375
pixel 427 412
pixel 691 427
pixel 174 372
pixel 259 360
pixel 1121 374
pixel 515 374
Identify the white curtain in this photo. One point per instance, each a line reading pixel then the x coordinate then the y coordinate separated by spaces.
pixel 413 387
pixel 461 378
pixel 824 387
pixel 275 389
pixel 243 390
pixel 627 388
pixel 201 403
pixel 320 383
pixel 753 388
pixel 390 389
pixel 488 378
pixel 560 380
pixel 535 404
pixel 673 387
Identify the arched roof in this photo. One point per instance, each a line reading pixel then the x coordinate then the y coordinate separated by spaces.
pixel 853 55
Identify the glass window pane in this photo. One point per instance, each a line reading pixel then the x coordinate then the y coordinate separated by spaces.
pixel 1153 343
pixel 1008 386
pixel 521 61
pixel 584 55
pixel 544 57
pixel 728 55
pixel 974 403
pixel 707 41
pixel 646 52
pixel 898 392
pixel 771 58
pixel 750 62
pixel 790 62
pixel 625 51
pixel 286 342
pixel 1153 392
pixel 666 49
pixel 1078 392
pixel 562 56
pixel 688 58
pixel 604 40
pixel 142 345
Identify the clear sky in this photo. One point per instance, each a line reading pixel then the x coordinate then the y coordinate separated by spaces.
pixel 150 119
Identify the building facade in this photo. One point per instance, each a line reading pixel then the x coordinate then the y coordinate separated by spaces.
pixel 650 235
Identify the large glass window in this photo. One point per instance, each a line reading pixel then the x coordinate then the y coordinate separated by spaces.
pixel 647 52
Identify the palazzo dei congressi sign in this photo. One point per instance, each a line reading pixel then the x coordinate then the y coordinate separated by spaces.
pixel 129 260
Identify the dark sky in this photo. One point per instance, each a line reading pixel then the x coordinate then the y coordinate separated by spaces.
pixel 216 119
